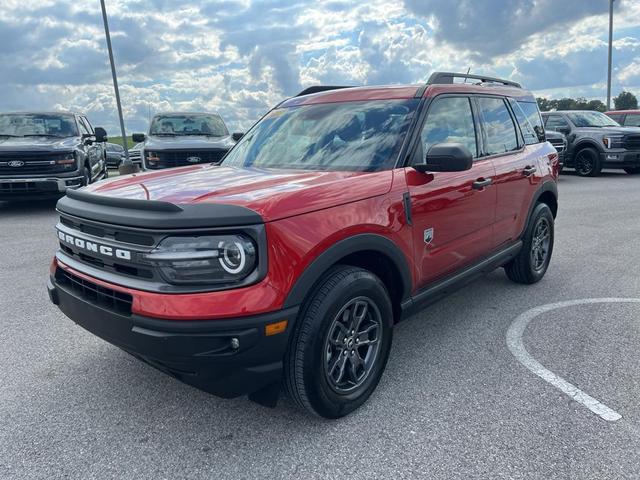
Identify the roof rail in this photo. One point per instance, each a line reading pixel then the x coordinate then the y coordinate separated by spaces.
pixel 447 77
pixel 320 88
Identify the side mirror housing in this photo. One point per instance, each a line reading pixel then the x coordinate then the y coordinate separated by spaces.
pixel 101 135
pixel 138 137
pixel 237 136
pixel 446 157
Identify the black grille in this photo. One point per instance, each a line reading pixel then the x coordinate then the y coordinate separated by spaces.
pixel 17 188
pixel 178 158
pixel 558 144
pixel 29 163
pixel 105 297
pixel 631 142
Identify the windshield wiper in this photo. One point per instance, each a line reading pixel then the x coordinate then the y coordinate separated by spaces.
pixel 8 135
pixel 163 134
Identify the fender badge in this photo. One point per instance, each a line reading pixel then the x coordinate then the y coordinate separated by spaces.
pixel 428 236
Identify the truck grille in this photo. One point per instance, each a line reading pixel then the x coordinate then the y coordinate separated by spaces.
pixel 33 164
pixel 558 144
pixel 181 158
pixel 108 298
pixel 631 142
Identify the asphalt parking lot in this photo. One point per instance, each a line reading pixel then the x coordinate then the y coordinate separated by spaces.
pixel 454 402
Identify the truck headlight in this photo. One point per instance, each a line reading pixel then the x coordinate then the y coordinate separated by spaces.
pixel 612 141
pixel 211 259
pixel 67 160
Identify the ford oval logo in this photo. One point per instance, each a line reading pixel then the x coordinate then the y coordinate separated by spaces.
pixel 193 159
pixel 16 163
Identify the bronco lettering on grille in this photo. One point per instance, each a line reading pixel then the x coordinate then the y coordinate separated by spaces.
pixel 94 247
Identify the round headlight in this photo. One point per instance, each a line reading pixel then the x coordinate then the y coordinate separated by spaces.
pixel 233 258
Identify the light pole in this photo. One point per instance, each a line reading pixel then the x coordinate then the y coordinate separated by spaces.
pixel 610 53
pixel 127 165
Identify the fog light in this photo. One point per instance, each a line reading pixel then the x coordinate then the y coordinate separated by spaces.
pixel 74 182
pixel 612 157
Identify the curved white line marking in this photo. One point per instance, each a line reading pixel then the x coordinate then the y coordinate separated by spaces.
pixel 516 346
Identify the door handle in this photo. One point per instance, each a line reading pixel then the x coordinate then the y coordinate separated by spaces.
pixel 481 183
pixel 529 170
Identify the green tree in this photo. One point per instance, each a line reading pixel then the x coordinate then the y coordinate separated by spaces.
pixel 596 105
pixel 625 101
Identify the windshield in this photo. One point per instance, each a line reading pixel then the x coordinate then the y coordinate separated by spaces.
pixel 30 125
pixel 338 136
pixel 591 119
pixel 188 124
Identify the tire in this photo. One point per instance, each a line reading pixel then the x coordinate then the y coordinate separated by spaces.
pixel 324 369
pixel 587 163
pixel 86 176
pixel 530 265
pixel 632 170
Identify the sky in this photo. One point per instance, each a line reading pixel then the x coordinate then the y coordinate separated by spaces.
pixel 241 57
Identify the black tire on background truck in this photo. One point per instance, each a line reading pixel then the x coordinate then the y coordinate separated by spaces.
pixel 632 170
pixel 530 265
pixel 340 344
pixel 86 176
pixel 587 163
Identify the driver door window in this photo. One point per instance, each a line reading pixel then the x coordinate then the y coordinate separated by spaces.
pixel 450 120
pixel 554 122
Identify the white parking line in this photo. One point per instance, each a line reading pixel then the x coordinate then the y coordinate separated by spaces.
pixel 516 346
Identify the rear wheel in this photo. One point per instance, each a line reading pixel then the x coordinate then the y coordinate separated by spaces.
pixel 341 343
pixel 632 170
pixel 587 163
pixel 533 260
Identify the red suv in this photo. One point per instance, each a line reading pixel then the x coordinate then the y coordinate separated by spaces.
pixel 340 213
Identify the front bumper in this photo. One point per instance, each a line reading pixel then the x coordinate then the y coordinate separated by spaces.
pixel 620 158
pixel 226 357
pixel 14 188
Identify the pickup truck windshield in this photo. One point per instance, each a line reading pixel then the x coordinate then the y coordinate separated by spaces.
pixel 362 136
pixel 592 119
pixel 32 125
pixel 188 124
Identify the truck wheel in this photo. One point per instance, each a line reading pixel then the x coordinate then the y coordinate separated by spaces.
pixel 533 260
pixel 587 163
pixel 632 170
pixel 341 343
pixel 86 176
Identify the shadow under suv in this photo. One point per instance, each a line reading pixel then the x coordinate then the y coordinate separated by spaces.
pixel 595 141
pixel 339 214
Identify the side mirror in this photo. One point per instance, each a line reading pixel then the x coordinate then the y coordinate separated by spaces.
pixel 446 157
pixel 101 135
pixel 138 137
pixel 237 136
pixel 564 130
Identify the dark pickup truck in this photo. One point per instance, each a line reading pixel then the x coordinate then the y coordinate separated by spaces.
pixel 181 139
pixel 44 154
pixel 595 141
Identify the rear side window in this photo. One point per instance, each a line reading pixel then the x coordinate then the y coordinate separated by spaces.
pixel 499 128
pixel 450 120
pixel 530 121
pixel 632 120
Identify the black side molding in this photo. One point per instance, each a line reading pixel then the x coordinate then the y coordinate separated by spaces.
pixel 444 287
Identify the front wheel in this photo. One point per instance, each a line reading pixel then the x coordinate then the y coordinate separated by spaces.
pixel 632 170
pixel 86 176
pixel 341 343
pixel 587 163
pixel 530 265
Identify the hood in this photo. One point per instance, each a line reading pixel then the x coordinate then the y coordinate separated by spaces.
pixel 38 144
pixel 187 142
pixel 274 194
pixel 552 134
pixel 611 130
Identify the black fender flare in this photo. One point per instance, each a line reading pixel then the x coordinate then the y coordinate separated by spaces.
pixel 586 142
pixel 348 246
pixel 547 186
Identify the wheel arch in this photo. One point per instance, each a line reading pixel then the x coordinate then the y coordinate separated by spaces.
pixel 548 194
pixel 372 252
pixel 585 143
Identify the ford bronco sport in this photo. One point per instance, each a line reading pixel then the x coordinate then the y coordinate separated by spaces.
pixel 44 154
pixel 340 213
